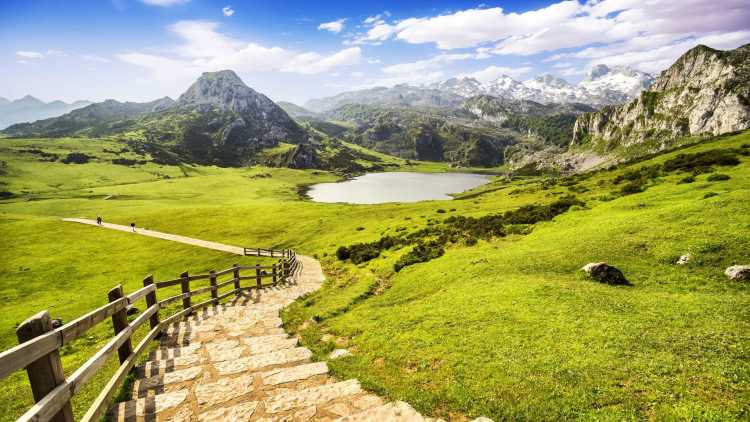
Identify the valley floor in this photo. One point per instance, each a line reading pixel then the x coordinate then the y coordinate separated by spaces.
pixel 508 328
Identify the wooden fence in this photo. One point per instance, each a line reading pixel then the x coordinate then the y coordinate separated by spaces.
pixel 39 344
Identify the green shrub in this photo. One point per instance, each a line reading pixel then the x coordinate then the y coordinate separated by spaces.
pixel 423 252
pixel 689 179
pixel 685 162
pixel 343 253
pixel 718 177
pixel 710 195
pixel 76 158
pixel 441 211
pixel 633 187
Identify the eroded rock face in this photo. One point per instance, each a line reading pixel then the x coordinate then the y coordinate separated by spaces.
pixel 705 92
pixel 604 273
pixel 738 272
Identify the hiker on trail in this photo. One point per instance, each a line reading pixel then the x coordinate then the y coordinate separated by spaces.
pixel 99 221
pixel 132 226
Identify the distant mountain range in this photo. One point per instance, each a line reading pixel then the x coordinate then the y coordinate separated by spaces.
pixel 603 85
pixel 541 123
pixel 29 109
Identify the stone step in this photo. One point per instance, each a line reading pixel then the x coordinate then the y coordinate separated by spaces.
pixel 270 343
pixel 391 412
pixel 238 412
pixel 141 387
pixel 295 373
pixel 161 367
pixel 256 362
pixel 225 389
pixel 316 396
pixel 174 352
pixel 148 407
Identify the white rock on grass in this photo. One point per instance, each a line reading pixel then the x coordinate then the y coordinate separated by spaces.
pixel 684 259
pixel 738 272
pixel 339 353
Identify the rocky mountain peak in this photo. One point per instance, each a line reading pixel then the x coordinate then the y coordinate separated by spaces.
pixel 225 90
pixel 551 80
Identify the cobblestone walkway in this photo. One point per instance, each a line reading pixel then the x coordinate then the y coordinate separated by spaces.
pixel 235 362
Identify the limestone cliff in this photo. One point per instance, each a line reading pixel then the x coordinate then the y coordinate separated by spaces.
pixel 705 92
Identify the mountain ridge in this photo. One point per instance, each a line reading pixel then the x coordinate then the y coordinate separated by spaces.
pixel 29 108
pixel 705 92
pixel 603 86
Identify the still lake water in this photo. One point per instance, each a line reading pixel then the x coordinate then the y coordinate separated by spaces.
pixel 378 188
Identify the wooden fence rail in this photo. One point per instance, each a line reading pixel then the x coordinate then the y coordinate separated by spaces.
pixel 39 345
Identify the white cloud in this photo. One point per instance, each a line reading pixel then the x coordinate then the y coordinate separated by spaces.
pixel 633 31
pixel 30 54
pixel 493 72
pixel 227 11
pixel 93 58
pixel 204 48
pixel 165 3
pixel 56 53
pixel 312 63
pixel 421 65
pixel 335 26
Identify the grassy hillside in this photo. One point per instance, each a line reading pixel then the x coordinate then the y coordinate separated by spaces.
pixel 507 327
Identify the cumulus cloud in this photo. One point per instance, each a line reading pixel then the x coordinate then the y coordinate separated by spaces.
pixel 204 48
pixel 227 11
pixel 491 73
pixel 334 26
pixel 429 64
pixel 164 3
pixel 647 34
pixel 30 54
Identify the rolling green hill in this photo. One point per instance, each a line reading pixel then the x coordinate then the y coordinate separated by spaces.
pixel 502 323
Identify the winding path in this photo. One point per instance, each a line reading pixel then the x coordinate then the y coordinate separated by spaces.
pixel 235 362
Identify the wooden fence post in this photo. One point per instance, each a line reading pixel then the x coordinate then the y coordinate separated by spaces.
pixel 120 322
pixel 185 284
pixel 214 290
pixel 237 278
pixel 45 373
pixel 257 275
pixel 151 301
pixel 274 273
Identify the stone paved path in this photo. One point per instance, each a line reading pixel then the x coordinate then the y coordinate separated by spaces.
pixel 234 362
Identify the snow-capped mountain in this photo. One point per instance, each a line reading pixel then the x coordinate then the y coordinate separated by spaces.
pixel 602 86
pixel 618 79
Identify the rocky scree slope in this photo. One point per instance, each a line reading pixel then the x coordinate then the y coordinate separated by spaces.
pixel 705 92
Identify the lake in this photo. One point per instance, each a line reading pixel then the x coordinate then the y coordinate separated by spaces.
pixel 378 188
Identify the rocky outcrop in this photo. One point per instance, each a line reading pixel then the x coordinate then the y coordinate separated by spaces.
pixel 705 92
pixel 604 273
pixel 738 272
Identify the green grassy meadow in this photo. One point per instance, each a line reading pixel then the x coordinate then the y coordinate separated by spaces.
pixel 508 328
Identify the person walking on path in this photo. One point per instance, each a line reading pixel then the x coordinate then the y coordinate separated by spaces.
pixel 99 221
pixel 132 226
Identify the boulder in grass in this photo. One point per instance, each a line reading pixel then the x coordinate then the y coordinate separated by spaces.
pixel 738 272
pixel 684 259
pixel 604 273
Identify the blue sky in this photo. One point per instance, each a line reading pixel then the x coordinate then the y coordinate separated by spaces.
pixel 140 50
